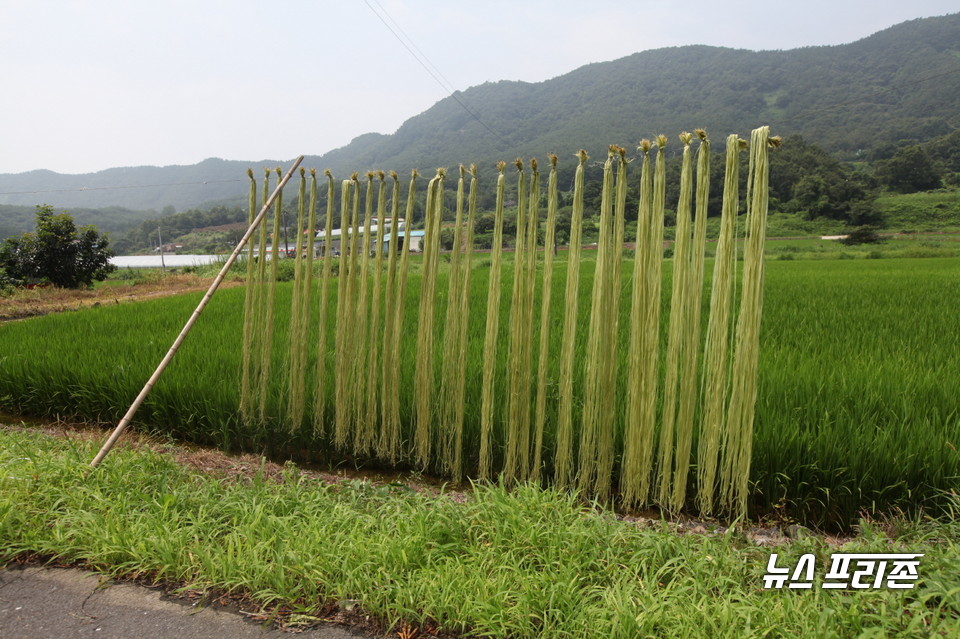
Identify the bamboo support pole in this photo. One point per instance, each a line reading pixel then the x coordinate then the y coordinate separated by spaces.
pixel 125 422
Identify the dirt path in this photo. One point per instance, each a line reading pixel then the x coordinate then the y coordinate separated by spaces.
pixel 42 301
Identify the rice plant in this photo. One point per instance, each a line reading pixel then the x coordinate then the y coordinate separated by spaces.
pixel 852 411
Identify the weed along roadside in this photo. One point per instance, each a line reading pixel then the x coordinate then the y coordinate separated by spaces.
pixel 297 547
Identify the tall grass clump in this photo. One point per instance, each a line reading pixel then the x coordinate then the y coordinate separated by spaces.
pixel 346 342
pixel 746 353
pixel 390 330
pixel 455 329
pixel 363 429
pixel 353 342
pixel 299 320
pixel 564 457
pixel 271 287
pixel 543 352
pixel 376 323
pixel 391 429
pixel 425 381
pixel 686 409
pixel 310 246
pixel 251 315
pixel 258 382
pixel 517 420
pixel 491 335
pixel 459 420
pixel 644 345
pixel 676 336
pixel 717 348
pixel 590 479
pixel 609 391
pixel 323 355
pixel 530 275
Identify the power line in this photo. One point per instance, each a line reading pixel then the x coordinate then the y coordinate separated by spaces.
pixel 424 61
pixel 446 82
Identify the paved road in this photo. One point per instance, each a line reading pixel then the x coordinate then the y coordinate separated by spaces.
pixel 40 603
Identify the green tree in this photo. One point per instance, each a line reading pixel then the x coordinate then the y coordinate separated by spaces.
pixel 910 170
pixel 804 177
pixel 57 252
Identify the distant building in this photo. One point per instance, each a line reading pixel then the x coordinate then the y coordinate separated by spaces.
pixel 340 236
pixel 416 241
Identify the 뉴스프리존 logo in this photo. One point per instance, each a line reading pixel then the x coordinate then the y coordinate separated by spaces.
pixel 847 570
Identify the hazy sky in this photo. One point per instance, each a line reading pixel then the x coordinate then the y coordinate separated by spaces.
pixel 102 83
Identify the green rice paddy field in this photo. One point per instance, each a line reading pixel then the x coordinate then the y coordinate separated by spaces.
pixel 858 409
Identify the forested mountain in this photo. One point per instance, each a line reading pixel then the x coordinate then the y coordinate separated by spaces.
pixel 897 86
pixel 857 101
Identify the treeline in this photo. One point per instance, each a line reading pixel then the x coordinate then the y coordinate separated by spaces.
pixel 804 179
pixel 172 226
pixel 16 219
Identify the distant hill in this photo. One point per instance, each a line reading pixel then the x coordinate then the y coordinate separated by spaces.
pixel 179 186
pixel 15 219
pixel 858 100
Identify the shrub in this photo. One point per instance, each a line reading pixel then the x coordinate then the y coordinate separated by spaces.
pixel 58 252
pixel 862 235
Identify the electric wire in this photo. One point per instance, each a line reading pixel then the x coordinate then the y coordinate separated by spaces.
pixel 424 61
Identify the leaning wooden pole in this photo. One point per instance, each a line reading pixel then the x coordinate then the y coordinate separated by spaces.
pixel 122 426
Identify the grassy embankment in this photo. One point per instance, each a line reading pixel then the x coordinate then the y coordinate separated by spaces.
pixel 525 563
pixel 854 413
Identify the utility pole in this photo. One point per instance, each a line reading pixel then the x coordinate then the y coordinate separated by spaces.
pixel 163 267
